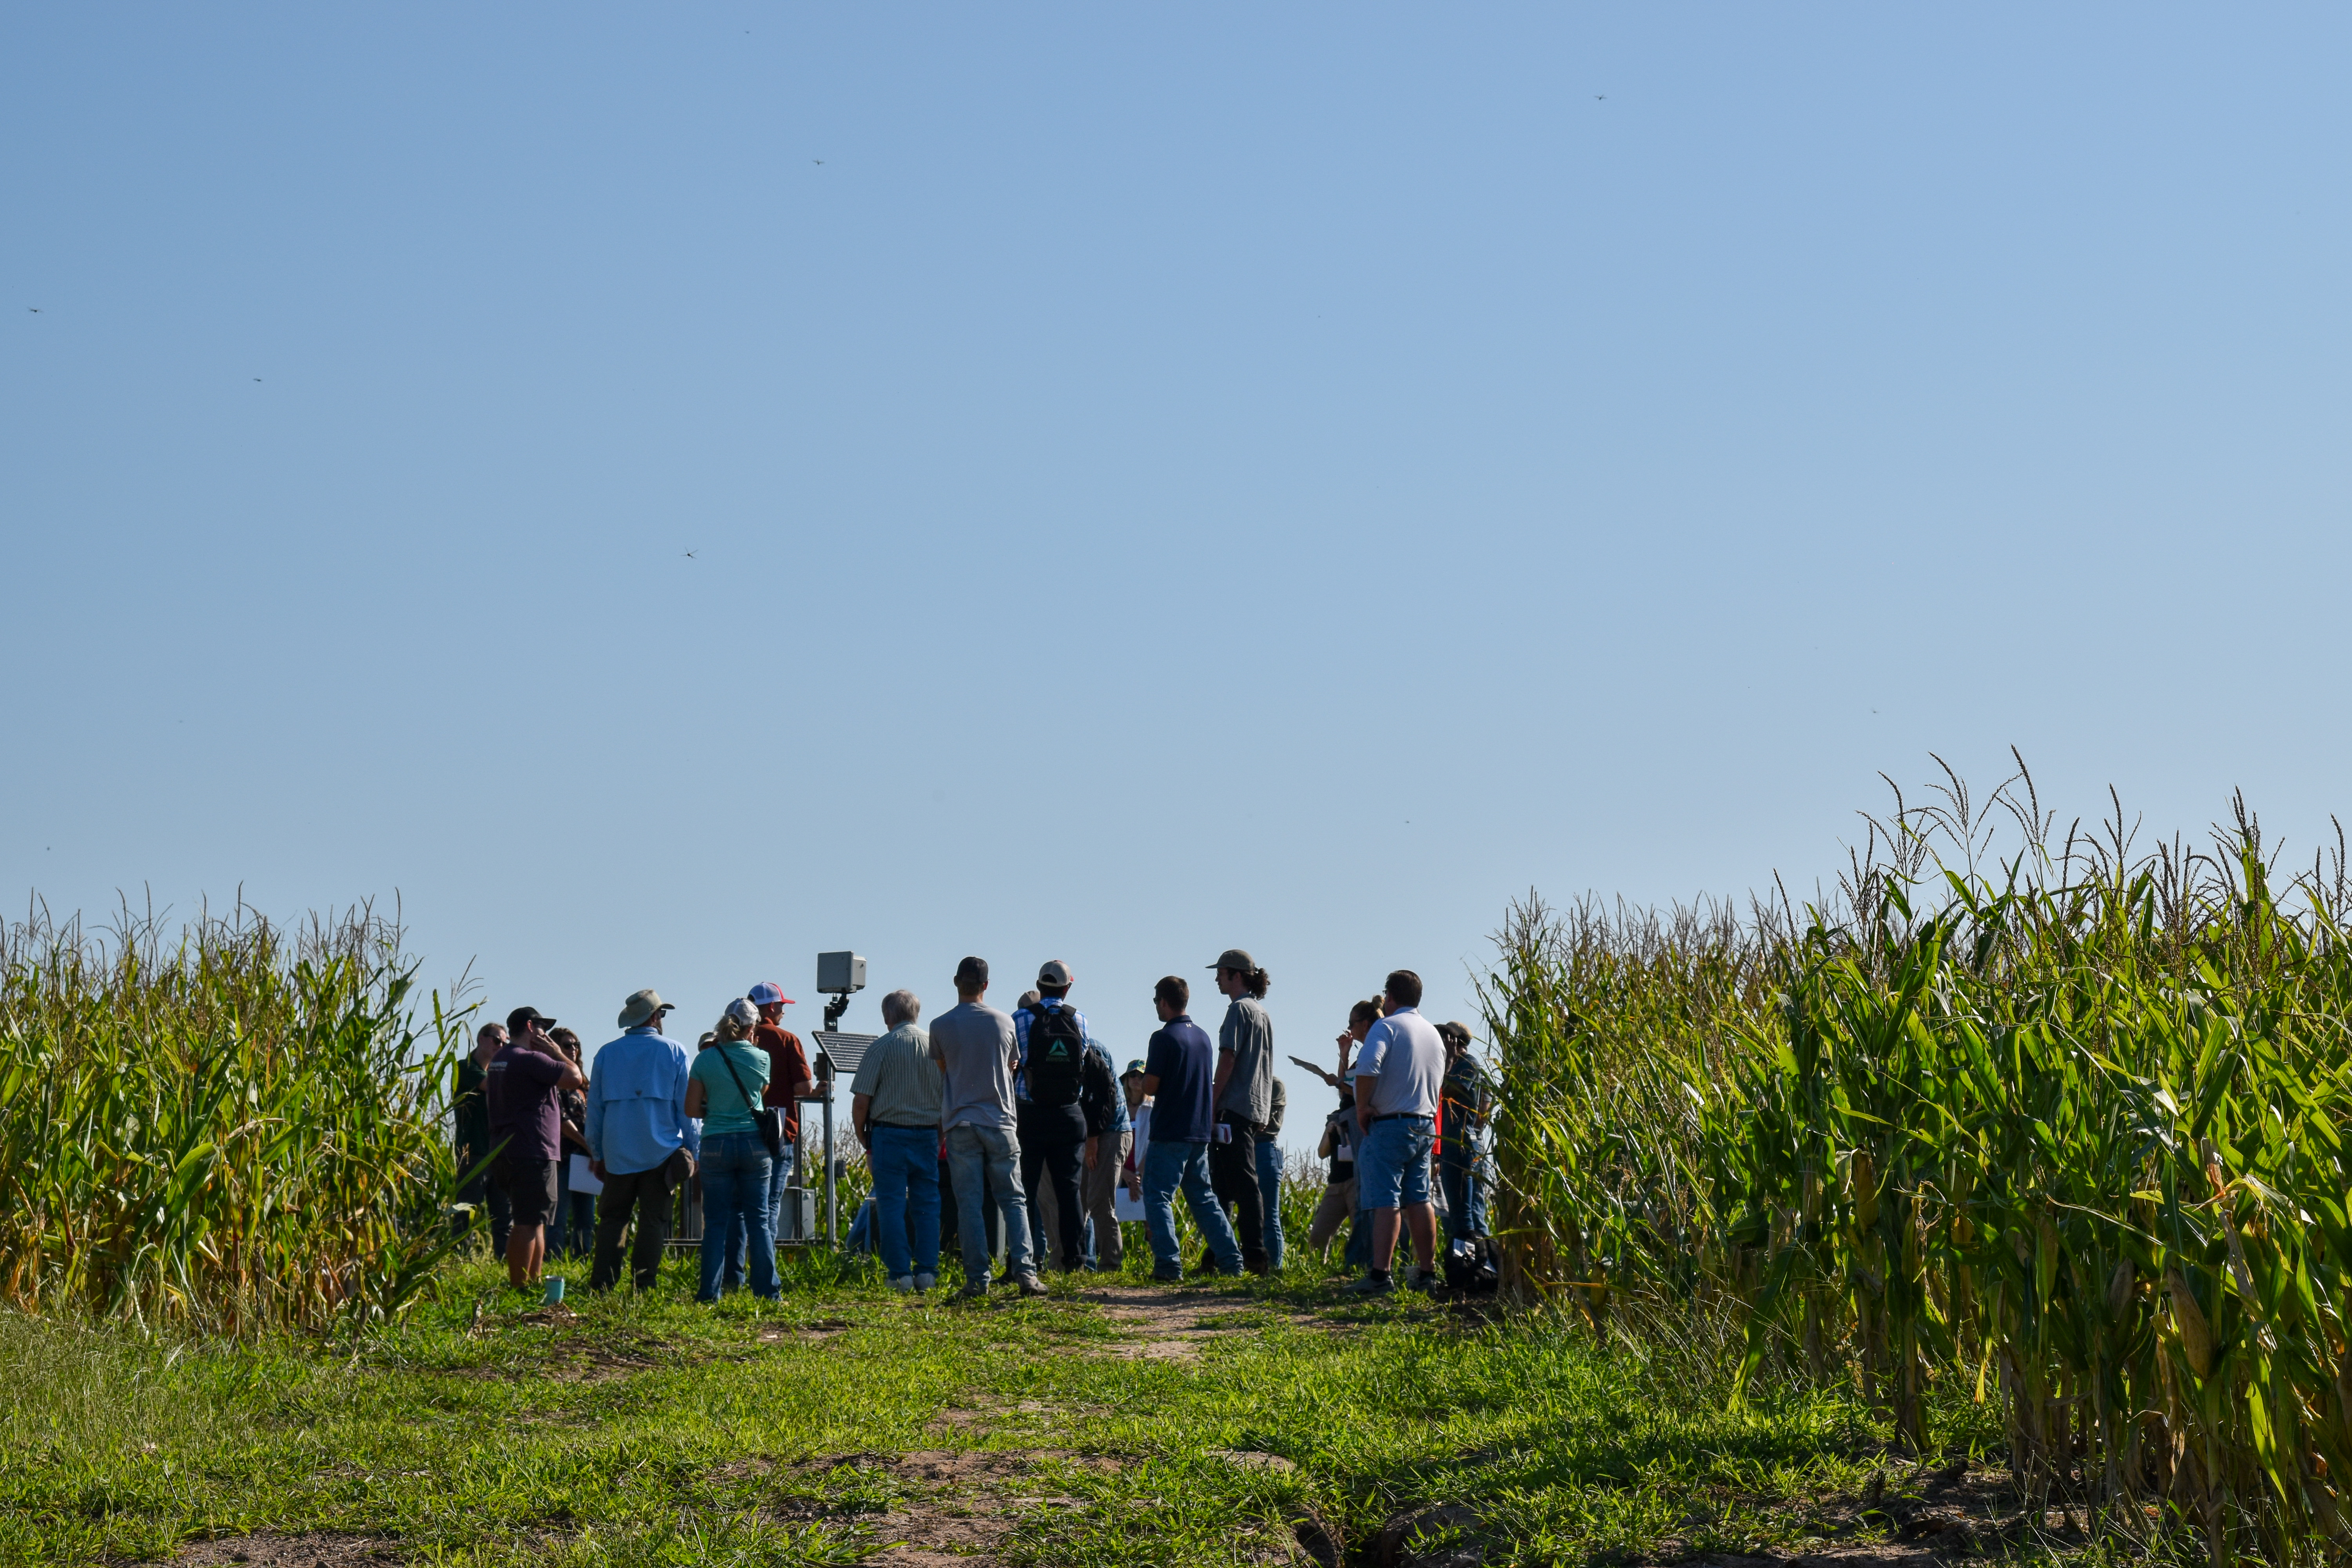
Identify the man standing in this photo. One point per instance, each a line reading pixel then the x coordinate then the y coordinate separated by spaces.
pixel 894 1104
pixel 1109 1135
pixel 1462 1137
pixel 1244 1101
pixel 1397 1078
pixel 1059 1080
pixel 644 1144
pixel 974 1047
pixel 1180 1072
pixel 524 1081
pixel 470 1118
pixel 788 1080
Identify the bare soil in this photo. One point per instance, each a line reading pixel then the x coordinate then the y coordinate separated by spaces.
pixel 307 1551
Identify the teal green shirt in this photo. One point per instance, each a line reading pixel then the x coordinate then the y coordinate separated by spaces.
pixel 723 1109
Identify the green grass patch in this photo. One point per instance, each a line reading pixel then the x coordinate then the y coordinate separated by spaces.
pixel 632 1429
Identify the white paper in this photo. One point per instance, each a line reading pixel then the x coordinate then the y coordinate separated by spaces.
pixel 583 1180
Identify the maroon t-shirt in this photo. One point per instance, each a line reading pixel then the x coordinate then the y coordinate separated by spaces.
pixel 524 1106
pixel 787 1065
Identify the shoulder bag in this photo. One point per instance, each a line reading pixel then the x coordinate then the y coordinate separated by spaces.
pixel 768 1119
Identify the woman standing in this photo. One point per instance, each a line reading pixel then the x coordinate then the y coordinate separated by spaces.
pixel 723 1089
pixel 573 1233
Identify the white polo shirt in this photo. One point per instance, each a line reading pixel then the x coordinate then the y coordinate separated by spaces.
pixel 1401 1066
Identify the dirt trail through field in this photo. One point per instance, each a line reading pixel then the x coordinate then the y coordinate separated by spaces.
pixel 1162 1324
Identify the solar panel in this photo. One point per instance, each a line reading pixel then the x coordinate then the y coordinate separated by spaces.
pixel 846 1050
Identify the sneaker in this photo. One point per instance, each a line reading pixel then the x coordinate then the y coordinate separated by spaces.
pixel 926 1281
pixel 973 1290
pixel 1428 1282
pixel 902 1282
pixel 1169 1276
pixel 1370 1284
pixel 1031 1285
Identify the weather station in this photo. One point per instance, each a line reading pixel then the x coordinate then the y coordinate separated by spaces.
pixel 840 976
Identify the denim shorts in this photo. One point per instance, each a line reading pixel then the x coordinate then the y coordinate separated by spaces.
pixel 1394 1158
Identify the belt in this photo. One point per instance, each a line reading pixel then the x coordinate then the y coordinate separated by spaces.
pixel 1404 1116
pixel 905 1126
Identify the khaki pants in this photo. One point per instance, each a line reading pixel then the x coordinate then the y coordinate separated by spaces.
pixel 1101 1185
pixel 1338 1207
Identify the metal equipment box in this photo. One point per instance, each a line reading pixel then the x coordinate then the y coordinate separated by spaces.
pixel 799 1216
pixel 840 971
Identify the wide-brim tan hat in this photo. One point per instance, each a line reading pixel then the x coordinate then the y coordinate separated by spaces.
pixel 641 1007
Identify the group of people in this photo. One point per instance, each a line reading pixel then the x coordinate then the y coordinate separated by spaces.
pixel 1009 1130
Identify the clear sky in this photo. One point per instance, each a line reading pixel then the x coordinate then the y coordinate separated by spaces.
pixel 666 490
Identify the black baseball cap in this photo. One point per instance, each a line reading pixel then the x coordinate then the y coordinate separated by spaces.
pixel 521 1015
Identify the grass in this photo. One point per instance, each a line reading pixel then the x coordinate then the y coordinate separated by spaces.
pixel 650 1430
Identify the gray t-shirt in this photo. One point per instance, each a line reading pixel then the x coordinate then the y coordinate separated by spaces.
pixel 975 1043
pixel 1401 1064
pixel 898 1072
pixel 1249 1033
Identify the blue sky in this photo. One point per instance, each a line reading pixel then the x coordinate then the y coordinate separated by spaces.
pixel 1292 477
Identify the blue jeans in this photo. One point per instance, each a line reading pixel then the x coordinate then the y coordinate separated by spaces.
pixel 906 1200
pixel 1462 1173
pixel 1393 1162
pixel 1167 1166
pixel 779 1173
pixel 982 1158
pixel 1269 1188
pixel 735 1169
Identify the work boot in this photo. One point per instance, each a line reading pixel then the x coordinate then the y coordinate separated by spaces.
pixel 1032 1286
pixel 973 1290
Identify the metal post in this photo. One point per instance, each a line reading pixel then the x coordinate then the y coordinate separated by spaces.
pixel 832 1197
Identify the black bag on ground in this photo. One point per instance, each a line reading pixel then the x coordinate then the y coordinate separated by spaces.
pixel 1470 1266
pixel 1057 1051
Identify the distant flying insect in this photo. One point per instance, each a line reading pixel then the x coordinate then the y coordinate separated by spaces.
pixel 818 162
pixel 689 555
pixel 35 309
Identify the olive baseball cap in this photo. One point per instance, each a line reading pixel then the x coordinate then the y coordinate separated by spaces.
pixel 1236 959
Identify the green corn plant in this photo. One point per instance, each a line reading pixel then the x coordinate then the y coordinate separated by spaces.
pixel 239 1130
pixel 2065 1128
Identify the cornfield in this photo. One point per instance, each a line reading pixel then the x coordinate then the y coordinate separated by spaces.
pixel 240 1129
pixel 2063 1123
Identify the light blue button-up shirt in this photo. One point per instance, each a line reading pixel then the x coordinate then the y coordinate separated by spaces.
pixel 636 1102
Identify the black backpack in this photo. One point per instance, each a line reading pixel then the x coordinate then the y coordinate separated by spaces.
pixel 1058 1052
pixel 1470 1266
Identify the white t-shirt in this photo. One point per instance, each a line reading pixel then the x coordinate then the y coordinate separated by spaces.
pixel 1401 1066
pixel 1122 1207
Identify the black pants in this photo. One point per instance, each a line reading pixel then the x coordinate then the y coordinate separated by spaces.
pixel 1233 1174
pixel 647 1193
pixel 1053 1146
pixel 486 1192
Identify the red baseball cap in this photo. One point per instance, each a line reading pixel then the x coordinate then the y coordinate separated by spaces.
pixel 767 993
